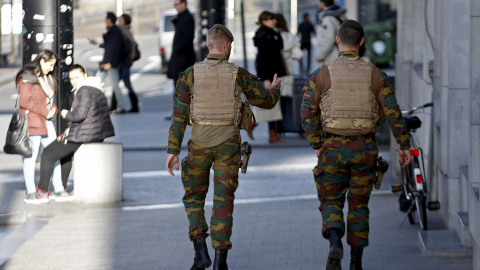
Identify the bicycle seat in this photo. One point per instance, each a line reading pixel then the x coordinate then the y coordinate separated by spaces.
pixel 413 122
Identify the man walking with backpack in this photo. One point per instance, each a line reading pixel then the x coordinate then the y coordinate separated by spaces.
pixel 124 22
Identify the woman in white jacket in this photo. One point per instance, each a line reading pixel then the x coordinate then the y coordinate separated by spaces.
pixel 291 50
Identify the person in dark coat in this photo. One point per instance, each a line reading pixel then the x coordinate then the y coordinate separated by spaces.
pixel 114 45
pixel 269 62
pixel 89 120
pixel 306 30
pixel 124 22
pixel 183 54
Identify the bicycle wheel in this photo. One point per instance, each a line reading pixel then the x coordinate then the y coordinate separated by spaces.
pixel 409 206
pixel 421 204
pixel 411 215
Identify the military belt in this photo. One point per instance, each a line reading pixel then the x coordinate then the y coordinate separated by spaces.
pixel 214 123
pixel 356 137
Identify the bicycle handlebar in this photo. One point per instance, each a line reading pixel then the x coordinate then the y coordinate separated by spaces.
pixel 412 110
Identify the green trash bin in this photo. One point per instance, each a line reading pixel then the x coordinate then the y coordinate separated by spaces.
pixel 380 41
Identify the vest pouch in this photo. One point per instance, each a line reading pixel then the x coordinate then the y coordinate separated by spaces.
pixel 247 116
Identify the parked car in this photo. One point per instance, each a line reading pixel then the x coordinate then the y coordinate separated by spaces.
pixel 166 31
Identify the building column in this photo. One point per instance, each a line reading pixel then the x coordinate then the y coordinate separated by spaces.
pixel 474 123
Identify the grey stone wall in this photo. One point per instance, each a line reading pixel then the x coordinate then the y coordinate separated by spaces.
pixel 451 47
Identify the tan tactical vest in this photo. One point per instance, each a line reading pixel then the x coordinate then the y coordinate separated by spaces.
pixel 350 103
pixel 216 101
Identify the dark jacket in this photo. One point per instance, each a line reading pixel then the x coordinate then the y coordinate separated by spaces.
pixel 113 43
pixel 269 57
pixel 33 99
pixel 183 54
pixel 129 43
pixel 89 117
pixel 306 29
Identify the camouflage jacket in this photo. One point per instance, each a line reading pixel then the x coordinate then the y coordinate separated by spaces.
pixel 319 82
pixel 252 89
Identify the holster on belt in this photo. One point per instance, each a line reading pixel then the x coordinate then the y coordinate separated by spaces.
pixel 246 151
pixel 247 116
pixel 382 167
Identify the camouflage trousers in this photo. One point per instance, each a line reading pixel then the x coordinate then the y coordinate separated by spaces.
pixel 195 178
pixel 346 164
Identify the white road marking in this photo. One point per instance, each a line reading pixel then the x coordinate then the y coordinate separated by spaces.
pixel 251 169
pixel 237 201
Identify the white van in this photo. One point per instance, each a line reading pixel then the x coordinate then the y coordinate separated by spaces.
pixel 166 31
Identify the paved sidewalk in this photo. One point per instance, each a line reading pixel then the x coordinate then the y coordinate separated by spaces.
pixel 282 232
pixel 269 232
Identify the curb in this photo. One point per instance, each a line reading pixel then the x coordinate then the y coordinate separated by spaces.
pixel 4 79
pixel 134 148
pixel 15 218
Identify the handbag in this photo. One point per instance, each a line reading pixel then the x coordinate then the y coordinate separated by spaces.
pixel 136 55
pixel 17 141
pixel 297 53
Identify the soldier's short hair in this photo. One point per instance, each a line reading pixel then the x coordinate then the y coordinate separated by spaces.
pixel 217 35
pixel 351 33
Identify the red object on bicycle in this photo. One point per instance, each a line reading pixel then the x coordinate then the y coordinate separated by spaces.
pixel 414 152
pixel 419 179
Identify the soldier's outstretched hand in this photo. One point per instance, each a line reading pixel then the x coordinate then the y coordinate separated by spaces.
pixel 172 160
pixel 405 157
pixel 276 81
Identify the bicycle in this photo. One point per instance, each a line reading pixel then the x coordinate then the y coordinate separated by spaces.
pixel 414 186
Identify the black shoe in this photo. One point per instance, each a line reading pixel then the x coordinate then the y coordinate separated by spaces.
pixel 334 261
pixel 202 259
pixel 356 258
pixel 113 106
pixel 220 262
pixel 134 102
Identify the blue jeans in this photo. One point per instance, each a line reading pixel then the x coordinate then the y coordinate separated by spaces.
pixel 114 75
pixel 125 76
pixel 29 161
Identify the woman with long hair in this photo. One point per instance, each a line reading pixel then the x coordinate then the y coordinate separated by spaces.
pixel 291 49
pixel 37 85
pixel 268 62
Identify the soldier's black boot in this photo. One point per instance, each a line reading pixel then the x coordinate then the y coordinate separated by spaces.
pixel 220 262
pixel 202 259
pixel 356 258
pixel 336 250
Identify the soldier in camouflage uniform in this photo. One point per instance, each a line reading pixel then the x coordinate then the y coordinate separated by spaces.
pixel 208 95
pixel 343 102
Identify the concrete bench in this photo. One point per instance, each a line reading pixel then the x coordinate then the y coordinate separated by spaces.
pixel 98 173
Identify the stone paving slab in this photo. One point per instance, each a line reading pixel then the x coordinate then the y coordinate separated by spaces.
pixel 266 235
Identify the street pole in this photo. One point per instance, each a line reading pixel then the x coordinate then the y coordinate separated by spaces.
pixel 211 13
pixel 119 7
pixel 49 25
pixel 294 18
pixel 136 23
pixel 245 64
